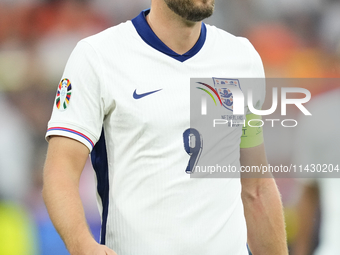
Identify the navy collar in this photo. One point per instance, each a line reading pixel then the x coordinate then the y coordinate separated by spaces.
pixel 146 33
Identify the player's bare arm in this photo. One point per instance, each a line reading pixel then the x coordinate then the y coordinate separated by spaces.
pixel 65 161
pixel 262 208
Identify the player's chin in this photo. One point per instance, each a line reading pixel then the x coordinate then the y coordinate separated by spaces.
pixel 203 9
pixel 199 14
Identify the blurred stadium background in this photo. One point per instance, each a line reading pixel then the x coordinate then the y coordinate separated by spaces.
pixel 295 38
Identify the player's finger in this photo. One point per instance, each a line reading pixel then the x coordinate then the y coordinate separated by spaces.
pixel 110 252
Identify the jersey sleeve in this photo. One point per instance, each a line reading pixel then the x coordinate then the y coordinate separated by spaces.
pixel 258 78
pixel 252 133
pixel 78 109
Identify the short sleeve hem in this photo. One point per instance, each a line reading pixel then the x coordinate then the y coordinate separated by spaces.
pixel 71 131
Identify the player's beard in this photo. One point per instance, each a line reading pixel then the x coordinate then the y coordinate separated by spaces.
pixel 190 10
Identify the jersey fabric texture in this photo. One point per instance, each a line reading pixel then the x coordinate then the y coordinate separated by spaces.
pixel 130 105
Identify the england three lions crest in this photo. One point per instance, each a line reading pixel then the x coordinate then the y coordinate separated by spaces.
pixel 224 87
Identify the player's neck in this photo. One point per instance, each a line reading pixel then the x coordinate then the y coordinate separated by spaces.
pixel 178 34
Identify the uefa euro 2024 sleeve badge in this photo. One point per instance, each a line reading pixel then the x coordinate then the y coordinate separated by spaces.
pixel 63 94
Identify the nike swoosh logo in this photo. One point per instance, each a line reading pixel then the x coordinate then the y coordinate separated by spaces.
pixel 138 96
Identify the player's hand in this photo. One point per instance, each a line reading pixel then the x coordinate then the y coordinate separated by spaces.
pixel 102 250
pixel 94 249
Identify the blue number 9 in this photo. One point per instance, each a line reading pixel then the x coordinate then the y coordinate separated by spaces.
pixel 193 144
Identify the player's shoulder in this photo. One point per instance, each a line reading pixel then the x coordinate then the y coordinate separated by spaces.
pixel 237 48
pixel 225 38
pixel 109 38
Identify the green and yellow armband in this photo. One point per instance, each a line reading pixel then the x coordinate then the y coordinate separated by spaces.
pixel 252 133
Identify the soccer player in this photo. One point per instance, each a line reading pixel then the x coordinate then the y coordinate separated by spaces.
pixel 124 97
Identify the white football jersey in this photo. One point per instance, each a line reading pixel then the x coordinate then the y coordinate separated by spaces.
pixel 126 96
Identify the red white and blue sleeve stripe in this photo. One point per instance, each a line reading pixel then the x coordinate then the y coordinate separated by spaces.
pixel 71 133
